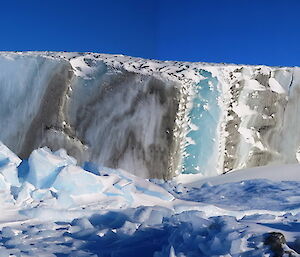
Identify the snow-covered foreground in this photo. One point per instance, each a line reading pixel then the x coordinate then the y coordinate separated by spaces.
pixel 51 207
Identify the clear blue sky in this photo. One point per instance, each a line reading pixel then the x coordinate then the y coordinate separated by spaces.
pixel 235 31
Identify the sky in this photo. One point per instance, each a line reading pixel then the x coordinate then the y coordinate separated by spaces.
pixel 229 31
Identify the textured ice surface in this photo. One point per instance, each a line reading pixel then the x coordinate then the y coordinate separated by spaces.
pixel 97 112
pixel 111 212
pixel 148 118
pixel 44 167
pixel 262 117
pixel 151 118
pixel 201 153
pixel 8 166
pixel 56 176
pixel 76 181
pixel 7 156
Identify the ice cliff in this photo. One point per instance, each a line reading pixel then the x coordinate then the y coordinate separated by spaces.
pixel 151 118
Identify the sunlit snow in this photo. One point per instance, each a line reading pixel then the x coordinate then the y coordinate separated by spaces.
pixel 109 155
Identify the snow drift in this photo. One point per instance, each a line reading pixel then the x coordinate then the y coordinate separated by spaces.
pixel 154 119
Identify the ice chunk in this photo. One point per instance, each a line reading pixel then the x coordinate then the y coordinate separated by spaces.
pixel 41 194
pixel 151 215
pixel 64 200
pixel 3 184
pixel 10 174
pixel 142 186
pixel 45 166
pixel 76 181
pixel 23 170
pixel 128 228
pixel 7 232
pixel 7 155
pixel 8 165
pixel 25 193
pixel 83 223
pixel 63 154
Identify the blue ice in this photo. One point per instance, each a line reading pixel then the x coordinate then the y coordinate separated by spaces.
pixel 200 155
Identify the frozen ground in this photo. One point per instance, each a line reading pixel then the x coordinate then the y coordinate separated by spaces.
pixel 51 207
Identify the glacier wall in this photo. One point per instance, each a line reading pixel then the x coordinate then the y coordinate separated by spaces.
pixel 262 123
pixel 152 118
pixel 98 113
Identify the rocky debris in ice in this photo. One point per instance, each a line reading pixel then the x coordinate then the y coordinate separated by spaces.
pixel 277 243
pixel 227 110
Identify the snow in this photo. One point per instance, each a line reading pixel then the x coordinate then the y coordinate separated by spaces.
pixel 276 87
pixel 276 173
pixel 204 101
pixel 254 85
pixel 111 212
pixel 166 131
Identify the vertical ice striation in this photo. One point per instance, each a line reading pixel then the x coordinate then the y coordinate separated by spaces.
pixel 263 116
pixel 201 152
pixel 97 112
pixel 24 82
pixel 126 119
pixel 151 118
